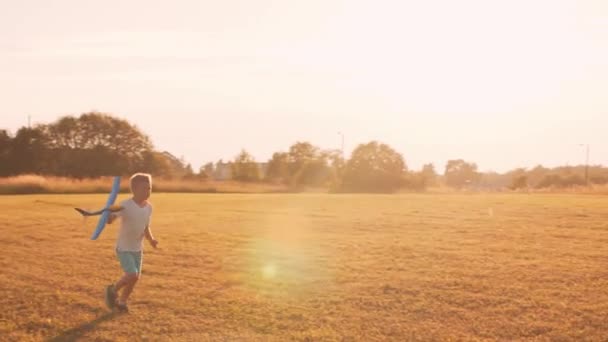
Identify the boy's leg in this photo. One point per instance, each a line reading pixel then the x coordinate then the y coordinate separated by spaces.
pixel 128 266
pixel 130 263
pixel 131 277
pixel 124 281
pixel 131 280
pixel 111 293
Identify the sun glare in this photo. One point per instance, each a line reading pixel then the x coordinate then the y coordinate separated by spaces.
pixel 269 271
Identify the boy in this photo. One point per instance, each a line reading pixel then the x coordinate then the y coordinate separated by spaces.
pixel 135 225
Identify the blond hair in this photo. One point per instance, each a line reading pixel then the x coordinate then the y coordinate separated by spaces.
pixel 140 178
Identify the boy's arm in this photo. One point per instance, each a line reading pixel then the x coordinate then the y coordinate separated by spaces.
pixel 149 237
pixel 112 217
pixel 115 212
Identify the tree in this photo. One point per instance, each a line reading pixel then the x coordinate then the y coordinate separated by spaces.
pixel 459 173
pixel 334 158
pixel 5 150
pixel 519 182
pixel 158 164
pixel 313 172
pixel 515 179
pixel 96 144
pixel 28 151
pixel 550 180
pixel 245 168
pixel 419 181
pixel 537 174
pixel 307 165
pixel 177 166
pixel 207 169
pixel 428 175
pixel 335 166
pixel 299 154
pixel 189 172
pixel 374 167
pixel 204 172
pixel 278 167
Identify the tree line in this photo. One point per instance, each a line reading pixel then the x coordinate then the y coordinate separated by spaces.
pixel 97 144
pixel 91 145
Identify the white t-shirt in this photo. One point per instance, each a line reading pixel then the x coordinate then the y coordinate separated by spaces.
pixel 134 220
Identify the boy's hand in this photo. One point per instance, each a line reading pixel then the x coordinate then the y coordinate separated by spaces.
pixel 154 242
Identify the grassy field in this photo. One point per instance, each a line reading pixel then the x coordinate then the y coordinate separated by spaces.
pixel 314 268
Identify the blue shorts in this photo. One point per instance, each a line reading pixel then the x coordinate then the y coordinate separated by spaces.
pixel 130 262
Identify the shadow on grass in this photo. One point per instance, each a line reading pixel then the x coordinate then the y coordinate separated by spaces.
pixel 77 332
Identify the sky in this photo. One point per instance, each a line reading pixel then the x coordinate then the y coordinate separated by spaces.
pixel 504 84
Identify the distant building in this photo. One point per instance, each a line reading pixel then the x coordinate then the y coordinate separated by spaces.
pixel 263 167
pixel 223 171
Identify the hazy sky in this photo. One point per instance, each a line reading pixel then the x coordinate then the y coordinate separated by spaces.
pixel 502 83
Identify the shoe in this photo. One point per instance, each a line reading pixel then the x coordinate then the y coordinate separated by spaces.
pixel 122 307
pixel 110 296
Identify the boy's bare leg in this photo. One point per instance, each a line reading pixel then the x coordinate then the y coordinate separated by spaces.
pixel 130 281
pixel 122 282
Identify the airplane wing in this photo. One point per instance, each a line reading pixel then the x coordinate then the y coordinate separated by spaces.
pixel 105 212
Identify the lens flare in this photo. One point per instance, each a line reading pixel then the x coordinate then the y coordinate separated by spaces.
pixel 269 271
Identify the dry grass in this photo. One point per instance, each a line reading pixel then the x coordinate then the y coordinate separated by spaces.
pixel 34 184
pixel 315 268
pixel 594 189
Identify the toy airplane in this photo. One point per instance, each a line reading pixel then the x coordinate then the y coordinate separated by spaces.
pixel 105 212
pixel 112 209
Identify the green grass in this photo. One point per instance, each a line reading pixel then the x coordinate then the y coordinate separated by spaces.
pixel 314 268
